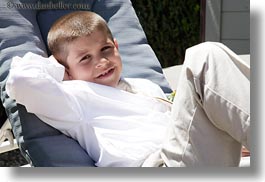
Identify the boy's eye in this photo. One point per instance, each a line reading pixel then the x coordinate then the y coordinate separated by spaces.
pixel 86 57
pixel 106 48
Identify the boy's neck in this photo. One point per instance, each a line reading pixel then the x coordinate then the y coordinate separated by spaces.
pixel 124 85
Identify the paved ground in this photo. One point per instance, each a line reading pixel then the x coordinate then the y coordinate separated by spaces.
pixel 12 159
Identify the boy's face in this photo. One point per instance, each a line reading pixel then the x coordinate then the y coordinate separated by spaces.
pixel 93 58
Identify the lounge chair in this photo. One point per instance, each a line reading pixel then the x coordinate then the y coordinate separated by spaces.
pixel 24 30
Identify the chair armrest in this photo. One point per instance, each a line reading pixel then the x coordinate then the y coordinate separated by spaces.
pixel 172 75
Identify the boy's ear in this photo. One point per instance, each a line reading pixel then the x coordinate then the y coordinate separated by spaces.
pixel 67 76
pixel 116 43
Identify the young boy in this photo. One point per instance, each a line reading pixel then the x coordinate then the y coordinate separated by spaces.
pixel 128 122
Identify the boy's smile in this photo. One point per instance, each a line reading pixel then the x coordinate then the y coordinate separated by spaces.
pixel 106 73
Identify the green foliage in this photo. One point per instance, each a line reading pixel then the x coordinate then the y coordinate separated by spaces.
pixel 171 26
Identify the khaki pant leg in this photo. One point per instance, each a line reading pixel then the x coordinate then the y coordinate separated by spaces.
pixel 211 112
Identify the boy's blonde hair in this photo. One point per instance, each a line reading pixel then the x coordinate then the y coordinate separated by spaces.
pixel 72 26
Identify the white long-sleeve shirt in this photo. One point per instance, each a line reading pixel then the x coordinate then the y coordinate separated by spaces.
pixel 115 127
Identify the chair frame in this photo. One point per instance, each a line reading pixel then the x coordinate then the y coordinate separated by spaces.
pixel 7 140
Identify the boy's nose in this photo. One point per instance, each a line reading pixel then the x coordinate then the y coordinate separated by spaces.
pixel 103 62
